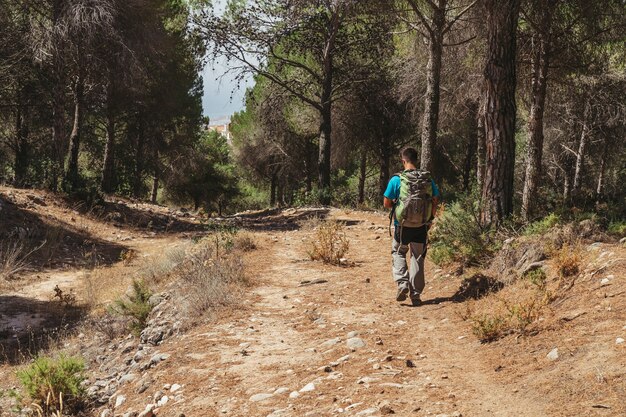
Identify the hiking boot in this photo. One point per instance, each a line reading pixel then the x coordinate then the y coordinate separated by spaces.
pixel 416 300
pixel 403 291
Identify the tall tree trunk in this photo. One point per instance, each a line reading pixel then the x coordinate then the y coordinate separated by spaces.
pixel 70 179
pixel 324 148
pixel 21 145
pixel 600 185
pixel 139 155
pixel 385 156
pixel 480 146
pixel 273 182
pixel 433 80
pixel 155 186
pixel 326 110
pixel 59 139
pixel 567 187
pixel 362 173
pixel 539 84
pixel 582 145
pixel 500 109
pixel 59 133
pixel 106 182
pixel 471 146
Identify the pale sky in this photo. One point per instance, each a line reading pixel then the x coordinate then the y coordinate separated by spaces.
pixel 217 101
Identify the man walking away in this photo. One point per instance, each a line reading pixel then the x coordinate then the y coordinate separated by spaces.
pixel 412 196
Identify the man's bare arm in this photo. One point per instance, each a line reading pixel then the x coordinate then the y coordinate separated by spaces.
pixel 387 203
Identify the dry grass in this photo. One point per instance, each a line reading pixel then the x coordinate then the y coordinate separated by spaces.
pixel 567 260
pixel 245 242
pixel 12 260
pixel 211 278
pixel 158 271
pixel 516 309
pixel 330 242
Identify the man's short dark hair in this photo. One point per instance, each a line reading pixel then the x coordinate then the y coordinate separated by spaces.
pixel 409 154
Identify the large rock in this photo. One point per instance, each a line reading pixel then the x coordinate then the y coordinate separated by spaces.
pixel 355 343
pixel 260 397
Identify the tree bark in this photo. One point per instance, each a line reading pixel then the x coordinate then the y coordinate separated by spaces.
pixel 567 187
pixel 71 170
pixel 59 134
pixel 582 145
pixel 480 146
pixel 138 174
pixel 472 145
pixel 500 110
pixel 273 189
pixel 385 156
pixel 433 81
pixel 325 144
pixel 602 170
pixel 155 186
pixel 21 145
pixel 326 110
pixel 59 139
pixel 108 171
pixel 539 82
pixel 362 173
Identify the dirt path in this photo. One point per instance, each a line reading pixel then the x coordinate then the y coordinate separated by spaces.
pixel 290 338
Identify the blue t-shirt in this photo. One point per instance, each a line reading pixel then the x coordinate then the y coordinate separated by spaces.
pixel 393 191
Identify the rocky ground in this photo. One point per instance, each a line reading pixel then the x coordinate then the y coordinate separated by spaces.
pixel 308 339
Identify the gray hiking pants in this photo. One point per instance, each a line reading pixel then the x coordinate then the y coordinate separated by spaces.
pixel 413 276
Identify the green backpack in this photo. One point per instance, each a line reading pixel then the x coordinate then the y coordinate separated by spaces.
pixel 414 207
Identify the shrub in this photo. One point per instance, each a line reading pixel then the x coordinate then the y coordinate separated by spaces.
pixel 567 260
pixel 457 235
pixel 54 385
pixel 330 244
pixel 542 226
pixel 135 306
pixel 489 327
pixel 536 277
pixel 211 278
pixel 245 242
pixel 617 228
pixel 524 313
pixel 441 254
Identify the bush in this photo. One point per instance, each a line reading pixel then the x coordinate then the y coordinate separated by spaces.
pixel 489 327
pixel 244 242
pixel 211 276
pixel 536 277
pixel 617 228
pixel 330 244
pixel 457 235
pixel 567 260
pixel 542 226
pixel 54 385
pixel 135 306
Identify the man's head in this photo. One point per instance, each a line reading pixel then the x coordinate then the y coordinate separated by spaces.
pixel 409 156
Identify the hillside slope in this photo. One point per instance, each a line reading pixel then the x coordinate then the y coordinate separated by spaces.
pixel 309 339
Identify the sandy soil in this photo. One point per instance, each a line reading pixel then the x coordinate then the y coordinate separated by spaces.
pixel 416 361
pixel 288 339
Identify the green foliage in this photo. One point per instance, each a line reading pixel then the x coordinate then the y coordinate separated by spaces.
pixel 488 327
pixel 207 178
pixel 136 306
pixel 55 384
pixel 536 277
pixel 458 236
pixel 617 228
pixel 542 226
